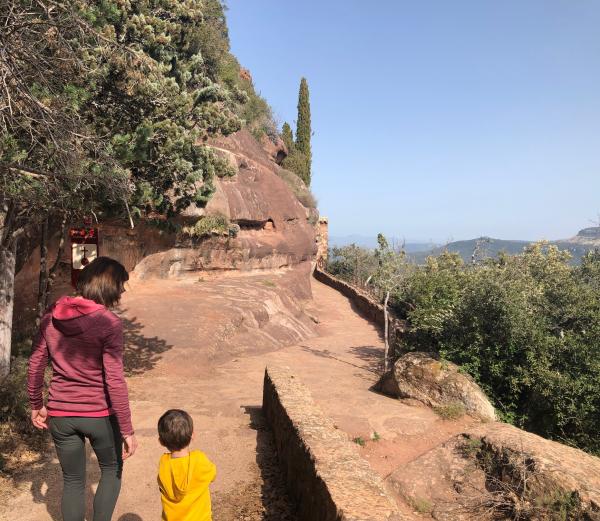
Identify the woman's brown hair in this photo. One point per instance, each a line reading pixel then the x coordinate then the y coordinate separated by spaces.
pixel 102 281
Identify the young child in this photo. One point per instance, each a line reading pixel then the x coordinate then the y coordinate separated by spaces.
pixel 183 475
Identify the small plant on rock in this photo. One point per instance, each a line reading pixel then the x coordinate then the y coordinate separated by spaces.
pixel 421 505
pixel 359 440
pixel 471 447
pixel 450 411
pixel 208 225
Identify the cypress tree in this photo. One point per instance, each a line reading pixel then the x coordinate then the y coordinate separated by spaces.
pixel 303 130
pixel 288 137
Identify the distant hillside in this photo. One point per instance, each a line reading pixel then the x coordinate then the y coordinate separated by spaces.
pixel 586 240
pixel 371 242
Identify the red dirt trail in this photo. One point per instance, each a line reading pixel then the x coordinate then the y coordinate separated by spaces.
pixel 173 330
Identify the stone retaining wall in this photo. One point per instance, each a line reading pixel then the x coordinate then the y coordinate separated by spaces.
pixel 323 470
pixel 367 306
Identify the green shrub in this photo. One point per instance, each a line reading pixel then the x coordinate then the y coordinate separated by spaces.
pixel 13 393
pixel 421 505
pixel 359 440
pixel 210 225
pixel 352 264
pixel 300 190
pixel 15 424
pixel 525 327
pixel 297 162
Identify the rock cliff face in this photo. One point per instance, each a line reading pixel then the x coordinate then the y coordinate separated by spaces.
pixel 274 231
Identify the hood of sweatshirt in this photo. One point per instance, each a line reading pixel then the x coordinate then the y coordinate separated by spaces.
pixel 73 315
pixel 189 475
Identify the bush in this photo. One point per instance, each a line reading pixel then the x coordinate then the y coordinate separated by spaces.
pixel 16 431
pixel 300 190
pixel 297 162
pixel 525 327
pixel 352 264
pixel 13 393
pixel 211 225
pixel 451 411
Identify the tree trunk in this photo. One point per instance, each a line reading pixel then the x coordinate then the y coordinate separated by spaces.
pixel 43 278
pixel 7 292
pixel 59 254
pixel 47 276
pixel 386 332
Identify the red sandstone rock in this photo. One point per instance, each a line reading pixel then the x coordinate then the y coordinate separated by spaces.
pixel 277 150
pixel 435 383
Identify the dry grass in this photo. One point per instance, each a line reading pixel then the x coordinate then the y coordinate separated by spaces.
pixel 509 492
pixel 451 411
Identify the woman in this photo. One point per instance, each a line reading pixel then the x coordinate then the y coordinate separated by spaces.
pixel 88 395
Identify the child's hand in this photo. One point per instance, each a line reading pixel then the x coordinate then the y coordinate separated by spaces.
pixel 129 446
pixel 39 418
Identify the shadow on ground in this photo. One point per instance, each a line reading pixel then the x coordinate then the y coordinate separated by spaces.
pixel 140 353
pixel 265 498
pixel 46 485
pixel 372 355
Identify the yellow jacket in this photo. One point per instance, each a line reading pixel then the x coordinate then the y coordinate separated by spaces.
pixel 183 484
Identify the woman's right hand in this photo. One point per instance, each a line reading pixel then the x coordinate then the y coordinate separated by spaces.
pixel 130 445
pixel 39 418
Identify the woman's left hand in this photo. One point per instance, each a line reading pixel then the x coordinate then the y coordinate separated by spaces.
pixel 39 418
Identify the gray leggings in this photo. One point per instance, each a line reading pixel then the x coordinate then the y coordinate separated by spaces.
pixel 69 436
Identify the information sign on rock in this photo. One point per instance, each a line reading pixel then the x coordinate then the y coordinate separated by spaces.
pixel 84 249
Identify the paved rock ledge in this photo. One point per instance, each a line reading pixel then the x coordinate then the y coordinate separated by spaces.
pixel 323 470
pixel 366 305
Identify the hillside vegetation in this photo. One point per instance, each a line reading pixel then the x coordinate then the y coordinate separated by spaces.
pixel 525 326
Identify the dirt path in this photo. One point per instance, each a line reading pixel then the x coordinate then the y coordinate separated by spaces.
pixel 173 328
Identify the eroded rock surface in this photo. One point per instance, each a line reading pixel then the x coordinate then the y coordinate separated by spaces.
pixel 435 383
pixel 274 232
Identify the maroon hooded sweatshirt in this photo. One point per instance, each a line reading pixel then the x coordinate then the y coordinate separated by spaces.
pixel 84 342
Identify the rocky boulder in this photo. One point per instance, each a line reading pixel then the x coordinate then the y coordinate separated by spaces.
pixel 436 383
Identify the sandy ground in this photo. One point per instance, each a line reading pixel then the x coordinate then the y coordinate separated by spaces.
pixel 168 329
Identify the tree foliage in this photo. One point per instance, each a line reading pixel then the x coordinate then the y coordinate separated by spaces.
pixel 299 157
pixel 117 96
pixel 304 130
pixel 48 150
pixel 353 264
pixel 159 100
pixel 288 137
pixel 526 327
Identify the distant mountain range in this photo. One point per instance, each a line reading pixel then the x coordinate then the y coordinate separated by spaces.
pixel 371 242
pixel 586 240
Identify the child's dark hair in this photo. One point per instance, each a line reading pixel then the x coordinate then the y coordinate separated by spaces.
pixel 175 429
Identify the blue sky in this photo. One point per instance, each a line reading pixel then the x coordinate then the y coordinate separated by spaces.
pixel 438 120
